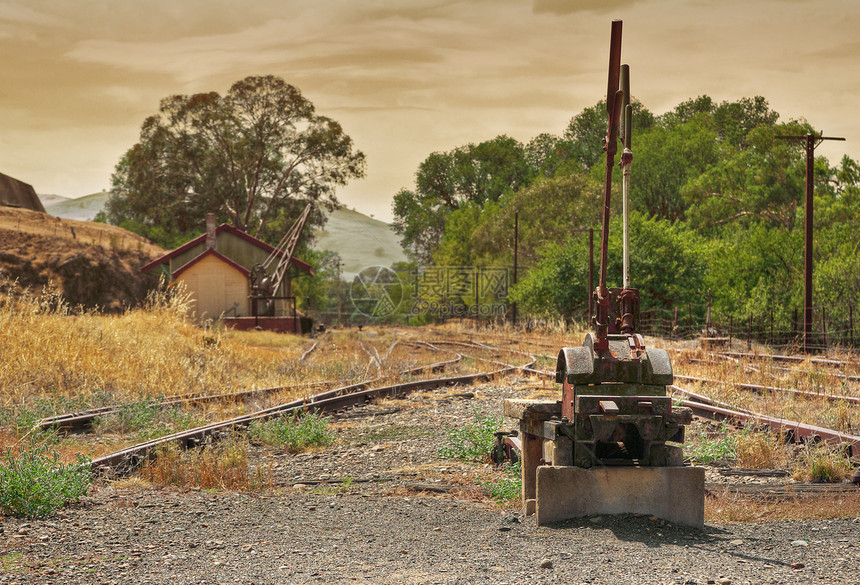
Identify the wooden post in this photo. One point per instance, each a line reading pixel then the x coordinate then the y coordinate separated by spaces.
pixel 749 333
pixel 532 454
pixel 692 326
pixel 771 327
pixel 824 327
pixel 516 254
pixel 851 324
pixel 675 322
pixel 731 328
pixel 477 300
pixel 794 324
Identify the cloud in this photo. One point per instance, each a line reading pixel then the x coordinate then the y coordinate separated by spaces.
pixel 24 15
pixel 564 7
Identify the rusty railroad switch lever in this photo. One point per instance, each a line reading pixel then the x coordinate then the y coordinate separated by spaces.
pixel 613 387
pixel 613 443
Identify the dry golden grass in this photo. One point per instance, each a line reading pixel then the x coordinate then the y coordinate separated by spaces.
pixel 218 466
pixel 729 508
pixel 806 377
pixel 56 360
pixel 52 354
pixel 762 451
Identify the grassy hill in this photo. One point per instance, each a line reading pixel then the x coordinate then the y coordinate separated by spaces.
pixel 81 209
pixel 361 241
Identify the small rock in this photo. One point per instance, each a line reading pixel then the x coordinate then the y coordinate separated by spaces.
pixel 736 542
pixel 653 518
pixel 797 566
pixel 512 518
pixel 504 528
pixel 799 543
pixel 546 564
pixel 725 581
pixel 596 519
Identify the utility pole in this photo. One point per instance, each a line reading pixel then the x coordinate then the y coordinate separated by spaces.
pixel 339 266
pixel 516 254
pixel 810 141
pixel 590 299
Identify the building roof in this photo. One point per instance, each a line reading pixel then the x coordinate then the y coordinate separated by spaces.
pixel 211 252
pixel 201 239
pixel 15 193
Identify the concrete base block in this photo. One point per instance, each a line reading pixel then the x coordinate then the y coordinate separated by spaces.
pixel 530 507
pixel 676 494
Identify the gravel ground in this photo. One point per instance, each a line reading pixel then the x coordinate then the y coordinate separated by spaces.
pixel 381 507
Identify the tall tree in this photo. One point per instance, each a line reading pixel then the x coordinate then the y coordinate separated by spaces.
pixel 446 180
pixel 586 132
pixel 251 156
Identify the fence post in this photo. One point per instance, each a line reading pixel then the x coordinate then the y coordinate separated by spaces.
pixel 794 325
pixel 851 324
pixel 731 328
pixel 749 333
pixel 824 327
pixel 675 322
pixel 771 327
pixel 692 325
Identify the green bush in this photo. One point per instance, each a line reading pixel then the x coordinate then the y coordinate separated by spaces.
pixel 472 441
pixel 34 484
pixel 296 433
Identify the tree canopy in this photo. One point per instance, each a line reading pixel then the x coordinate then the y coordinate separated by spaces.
pixel 254 156
pixel 717 204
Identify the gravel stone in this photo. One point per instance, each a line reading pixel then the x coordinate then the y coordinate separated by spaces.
pixel 362 511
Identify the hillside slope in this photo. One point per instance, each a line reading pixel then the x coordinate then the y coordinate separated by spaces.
pixel 361 241
pixel 82 208
pixel 91 264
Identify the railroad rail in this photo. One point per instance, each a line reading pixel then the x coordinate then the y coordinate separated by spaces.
pixel 81 420
pixel 787 358
pixel 345 396
pixel 760 388
pixel 124 460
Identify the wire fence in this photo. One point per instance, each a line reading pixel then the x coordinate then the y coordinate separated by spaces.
pixel 830 326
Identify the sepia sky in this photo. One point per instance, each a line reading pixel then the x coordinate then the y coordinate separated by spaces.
pixel 404 77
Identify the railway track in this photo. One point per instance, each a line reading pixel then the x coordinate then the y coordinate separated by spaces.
pixel 82 420
pixel 342 397
pixel 334 400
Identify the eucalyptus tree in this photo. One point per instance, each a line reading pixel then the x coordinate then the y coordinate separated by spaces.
pixel 254 156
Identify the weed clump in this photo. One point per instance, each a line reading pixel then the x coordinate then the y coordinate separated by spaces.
pixel 820 462
pixel 474 440
pixel 34 484
pixel 295 433
pixel 218 466
pixel 509 486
